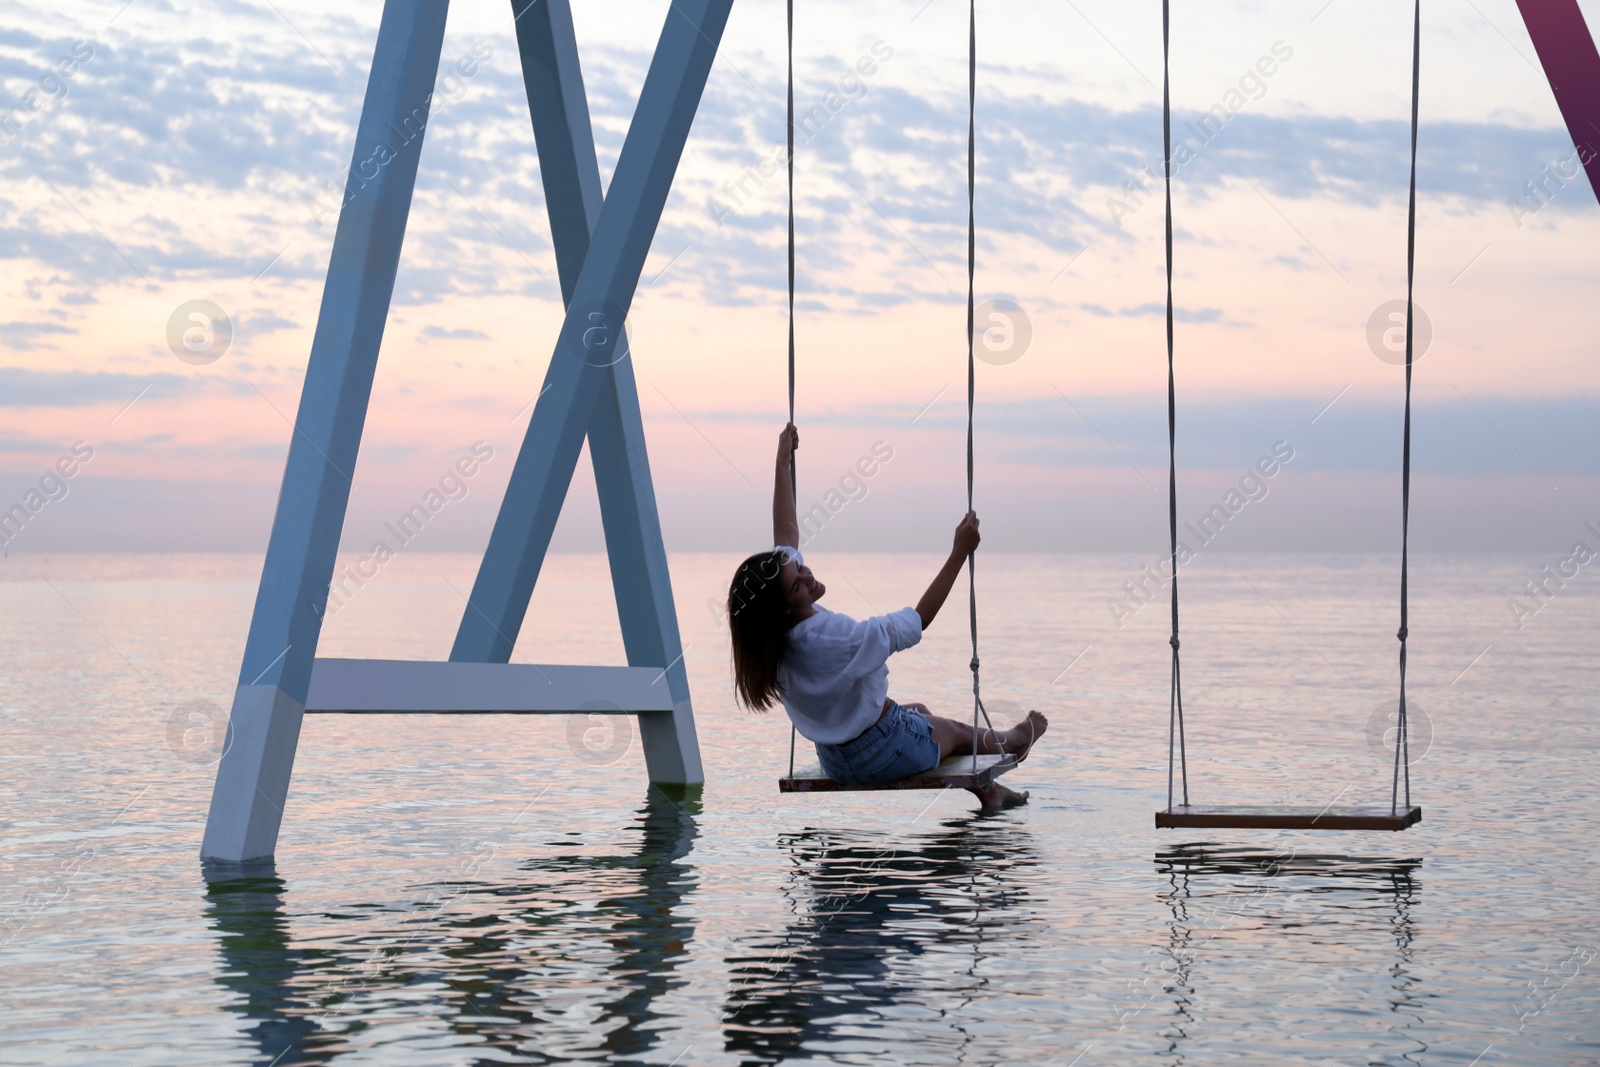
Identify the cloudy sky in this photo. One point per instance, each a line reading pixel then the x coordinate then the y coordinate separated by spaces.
pixel 187 154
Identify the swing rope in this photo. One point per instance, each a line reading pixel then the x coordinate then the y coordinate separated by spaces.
pixel 1175 745
pixel 972 377
pixel 794 491
pixel 1402 744
pixel 793 488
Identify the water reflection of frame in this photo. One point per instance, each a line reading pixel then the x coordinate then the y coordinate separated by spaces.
pixel 1230 907
pixel 494 970
pixel 885 945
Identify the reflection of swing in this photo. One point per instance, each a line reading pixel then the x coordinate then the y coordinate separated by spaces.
pixel 1398 815
pixel 978 770
pixel 859 905
pixel 1231 905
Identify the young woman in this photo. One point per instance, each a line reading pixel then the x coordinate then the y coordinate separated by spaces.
pixel 831 672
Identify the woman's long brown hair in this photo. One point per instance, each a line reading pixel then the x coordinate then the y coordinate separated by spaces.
pixel 758 620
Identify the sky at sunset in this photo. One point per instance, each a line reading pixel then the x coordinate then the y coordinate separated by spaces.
pixel 188 154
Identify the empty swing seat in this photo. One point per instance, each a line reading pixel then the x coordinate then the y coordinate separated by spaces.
pixel 957 772
pixel 1285 817
pixel 1275 816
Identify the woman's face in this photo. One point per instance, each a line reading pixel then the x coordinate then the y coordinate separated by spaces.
pixel 800 587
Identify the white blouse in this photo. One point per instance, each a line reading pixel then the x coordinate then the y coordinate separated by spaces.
pixel 835 673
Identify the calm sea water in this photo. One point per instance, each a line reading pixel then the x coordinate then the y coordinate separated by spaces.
pixel 474 890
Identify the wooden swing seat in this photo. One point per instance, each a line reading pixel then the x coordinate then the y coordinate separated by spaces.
pixel 954 773
pixel 1285 817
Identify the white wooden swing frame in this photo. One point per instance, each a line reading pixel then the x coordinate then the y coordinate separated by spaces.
pixel 601 241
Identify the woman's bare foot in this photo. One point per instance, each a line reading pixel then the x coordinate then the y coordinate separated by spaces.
pixel 1022 736
pixel 998 798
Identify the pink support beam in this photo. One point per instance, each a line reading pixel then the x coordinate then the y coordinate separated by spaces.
pixel 1572 65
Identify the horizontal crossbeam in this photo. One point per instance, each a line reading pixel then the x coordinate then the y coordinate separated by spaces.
pixel 387 685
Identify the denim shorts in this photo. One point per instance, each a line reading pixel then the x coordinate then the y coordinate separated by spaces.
pixel 899 744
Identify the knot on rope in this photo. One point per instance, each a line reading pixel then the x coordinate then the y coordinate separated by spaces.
pixel 1173 641
pixel 974 664
pixel 1401 633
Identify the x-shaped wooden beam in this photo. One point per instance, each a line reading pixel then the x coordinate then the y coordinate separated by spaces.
pixel 598 274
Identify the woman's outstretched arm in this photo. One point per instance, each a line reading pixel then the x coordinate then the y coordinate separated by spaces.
pixel 785 527
pixel 966 542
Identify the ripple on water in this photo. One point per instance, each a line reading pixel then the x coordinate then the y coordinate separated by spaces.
pixel 460 892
